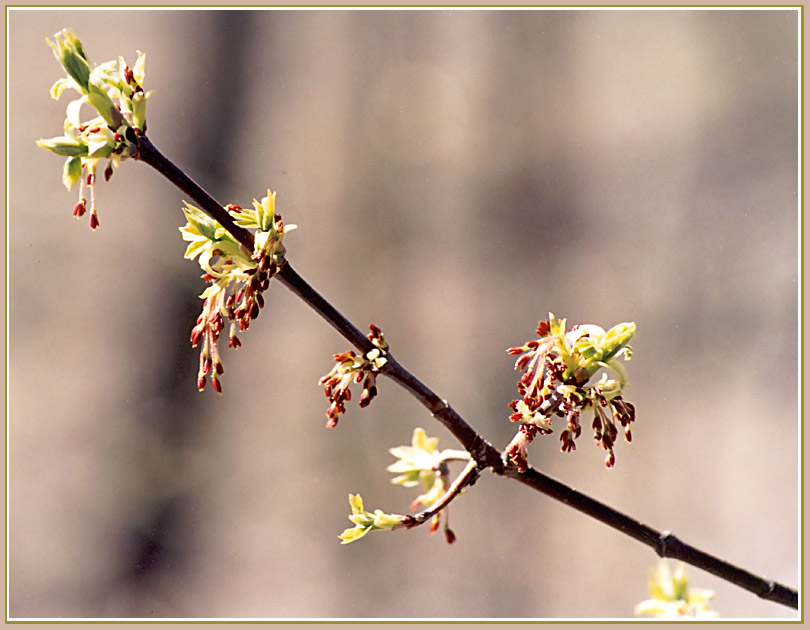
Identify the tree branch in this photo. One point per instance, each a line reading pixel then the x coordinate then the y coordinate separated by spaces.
pixel 483 453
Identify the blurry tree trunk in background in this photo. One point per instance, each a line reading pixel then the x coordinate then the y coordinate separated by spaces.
pixel 155 546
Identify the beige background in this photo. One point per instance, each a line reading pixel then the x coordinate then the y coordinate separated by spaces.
pixel 455 176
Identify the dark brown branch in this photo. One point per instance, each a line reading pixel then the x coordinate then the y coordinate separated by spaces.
pixel 484 454
pixel 665 544
pixel 148 153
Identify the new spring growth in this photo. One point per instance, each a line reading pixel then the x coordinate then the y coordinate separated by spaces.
pixel 236 278
pixel 556 369
pixel 365 522
pixel 671 597
pixel 113 91
pixel 421 463
pixel 353 368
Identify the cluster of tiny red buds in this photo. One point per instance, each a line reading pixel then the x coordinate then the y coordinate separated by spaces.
pixel 553 383
pixel 573 429
pixel 547 392
pixel 209 326
pixel 604 423
pixel 541 370
pixel 517 452
pixel 88 179
pixel 236 279
pixel 244 304
pixel 352 368
pixel 240 307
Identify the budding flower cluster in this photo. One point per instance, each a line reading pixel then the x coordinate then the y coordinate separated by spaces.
pixel 353 368
pixel 556 369
pixel 113 89
pixel 236 277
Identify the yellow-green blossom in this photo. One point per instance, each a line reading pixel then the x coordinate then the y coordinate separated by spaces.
pixel 237 278
pixel 114 91
pixel 420 462
pixel 671 597
pixel 365 522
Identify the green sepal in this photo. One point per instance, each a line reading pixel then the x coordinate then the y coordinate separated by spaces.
pixel 99 100
pixel 138 101
pixel 72 171
pixel 66 146
pixel 201 222
pixel 618 369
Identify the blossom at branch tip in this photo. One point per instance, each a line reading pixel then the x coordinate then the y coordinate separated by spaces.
pixel 671 597
pixel 114 91
pixel 556 369
pixel 365 522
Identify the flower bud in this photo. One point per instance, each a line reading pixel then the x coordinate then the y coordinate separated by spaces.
pixel 616 338
pixel 69 51
pixel 138 101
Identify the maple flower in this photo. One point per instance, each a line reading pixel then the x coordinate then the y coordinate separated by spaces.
pixel 237 278
pixel 114 91
pixel 353 368
pixel 556 369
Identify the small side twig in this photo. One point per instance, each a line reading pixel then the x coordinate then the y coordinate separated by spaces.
pixel 467 478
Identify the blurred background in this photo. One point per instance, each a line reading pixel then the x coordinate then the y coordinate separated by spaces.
pixel 455 176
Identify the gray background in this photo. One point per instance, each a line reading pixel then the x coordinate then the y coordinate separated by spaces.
pixel 456 175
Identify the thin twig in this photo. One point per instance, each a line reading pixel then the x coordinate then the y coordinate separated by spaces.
pixel 483 453
pixel 466 478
